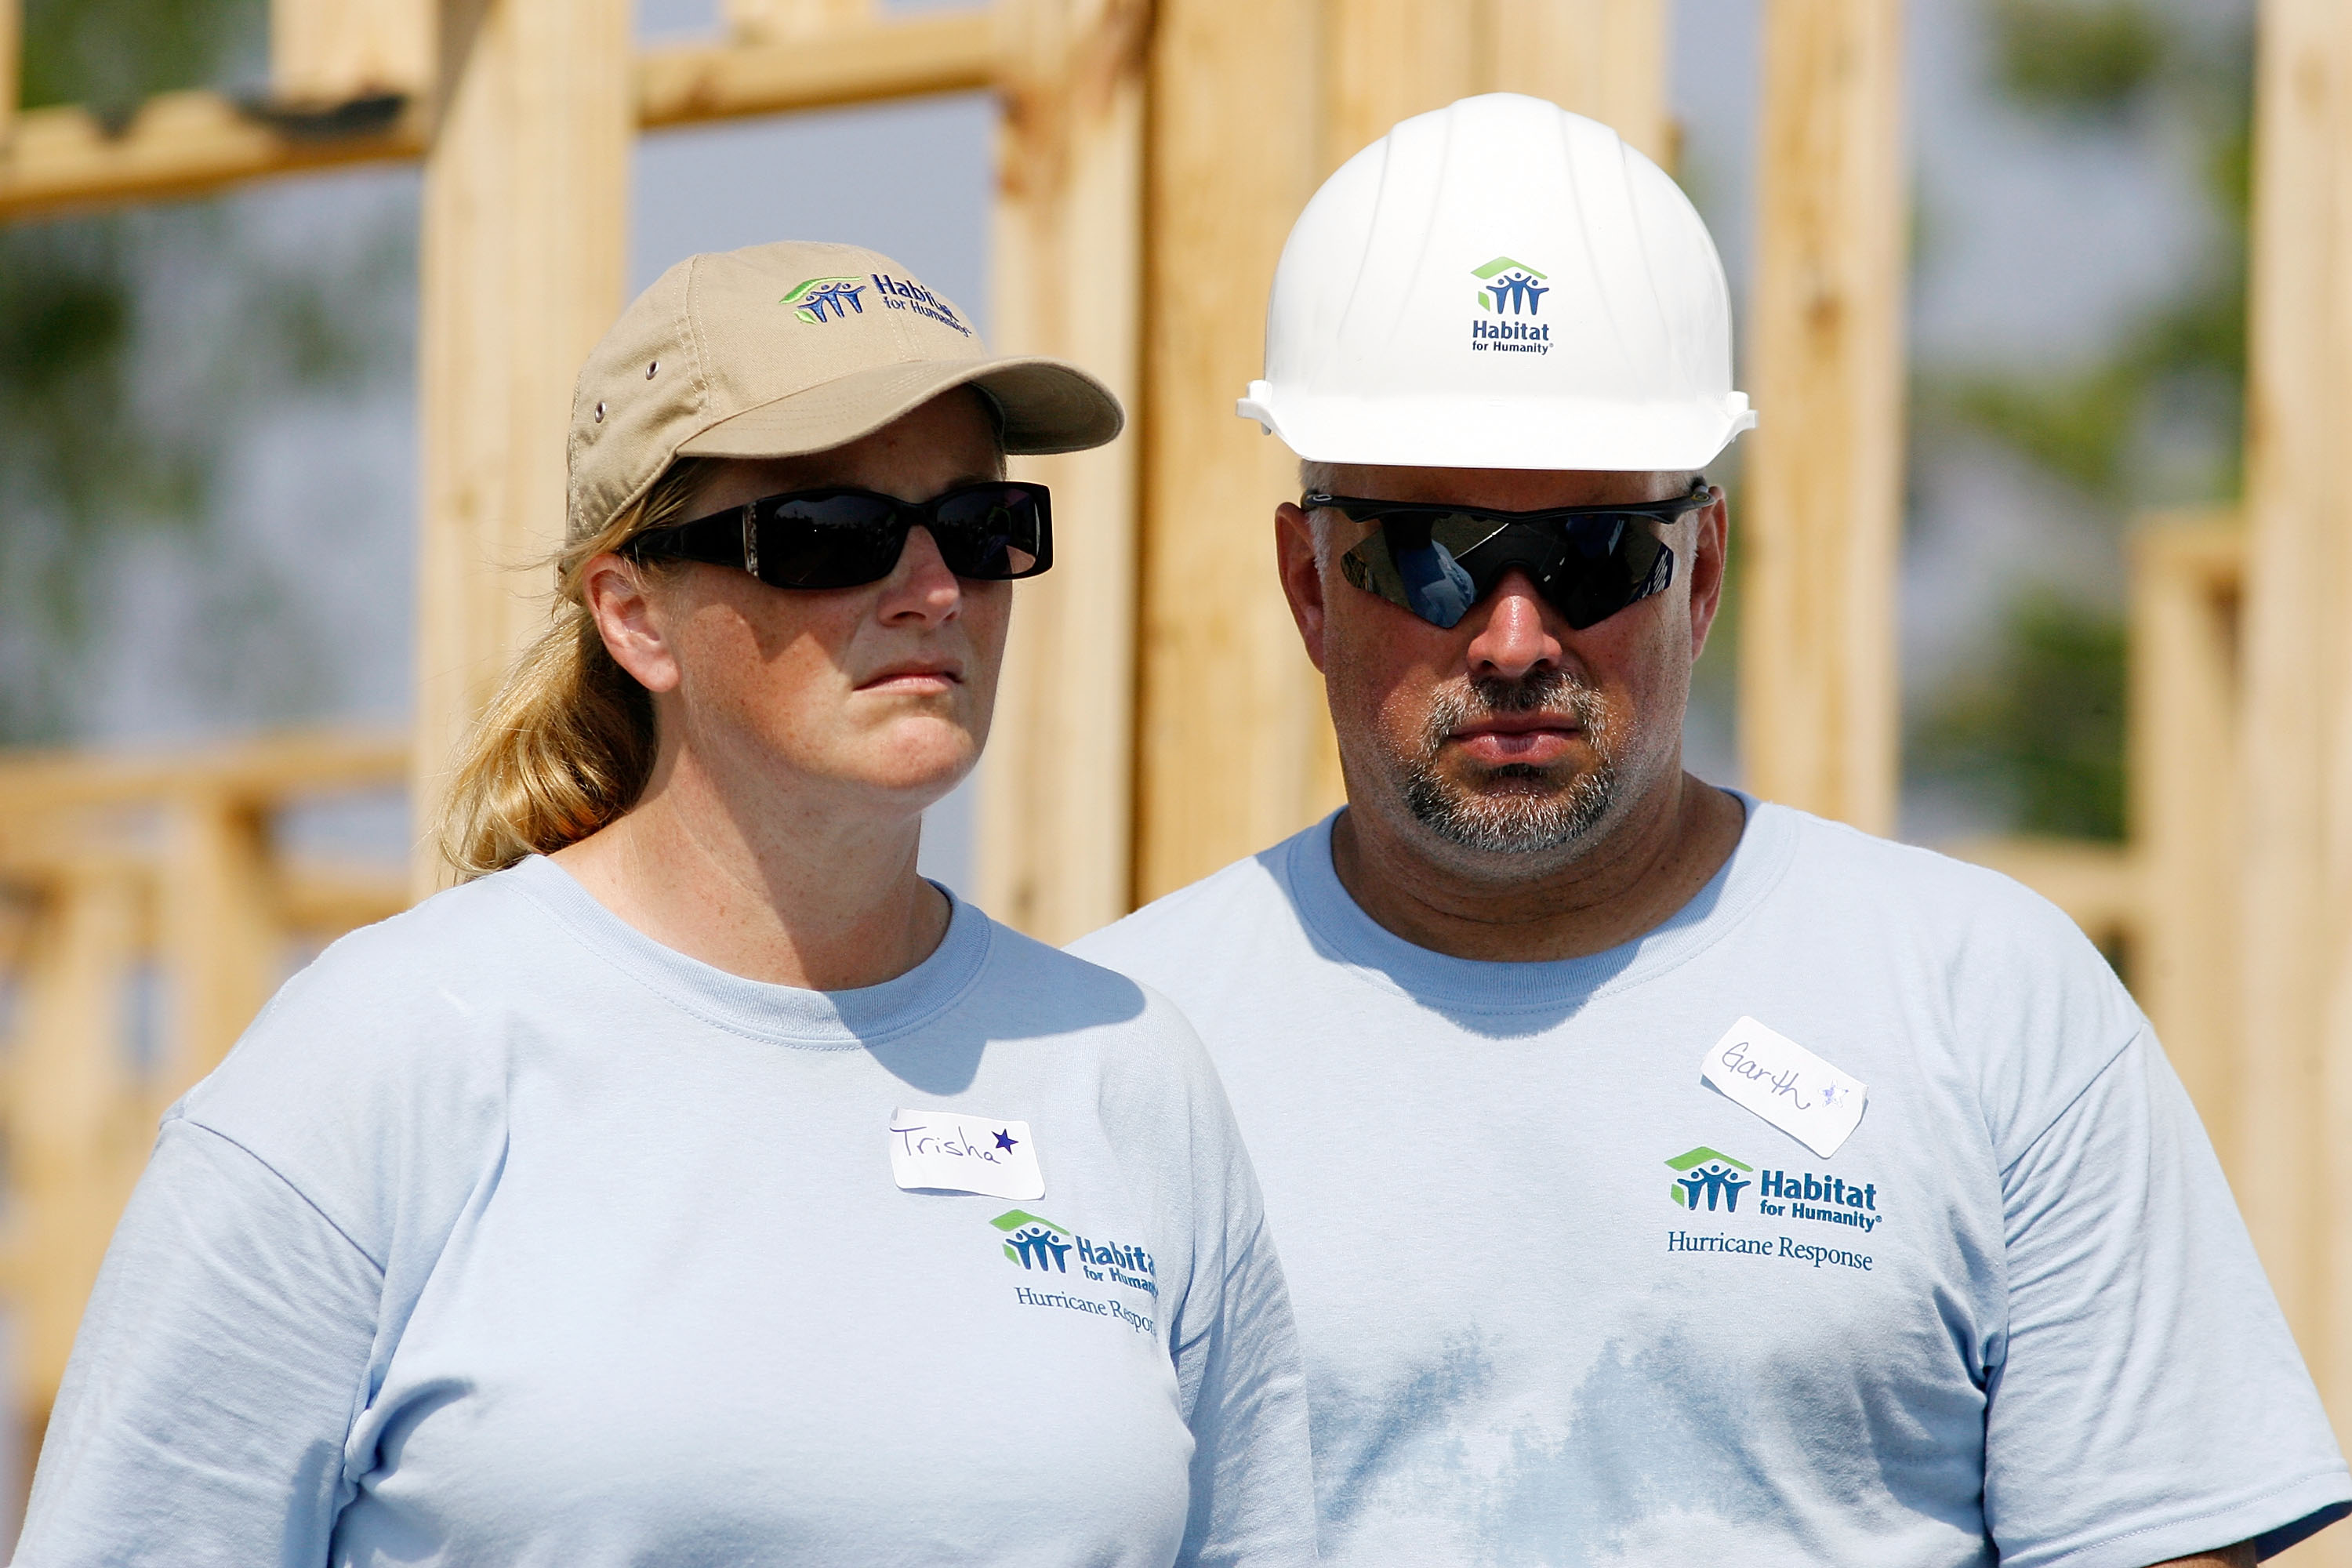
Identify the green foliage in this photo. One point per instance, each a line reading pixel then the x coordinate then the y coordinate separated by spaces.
pixel 2044 727
pixel 135 346
pixel 2082 56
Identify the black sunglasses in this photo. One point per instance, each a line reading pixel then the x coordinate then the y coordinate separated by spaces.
pixel 1437 560
pixel 842 538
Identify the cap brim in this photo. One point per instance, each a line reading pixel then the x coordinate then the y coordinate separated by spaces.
pixel 1048 406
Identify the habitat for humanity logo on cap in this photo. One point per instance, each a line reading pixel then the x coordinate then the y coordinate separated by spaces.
pixel 1709 1173
pixel 1516 289
pixel 812 298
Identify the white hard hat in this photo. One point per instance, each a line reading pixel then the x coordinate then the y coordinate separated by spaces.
pixel 1500 284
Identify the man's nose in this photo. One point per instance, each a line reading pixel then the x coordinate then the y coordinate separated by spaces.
pixel 1513 642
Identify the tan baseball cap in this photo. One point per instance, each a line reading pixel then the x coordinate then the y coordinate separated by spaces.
pixel 777 350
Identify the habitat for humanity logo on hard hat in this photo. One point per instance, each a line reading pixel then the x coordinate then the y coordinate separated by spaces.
pixel 815 297
pixel 1512 289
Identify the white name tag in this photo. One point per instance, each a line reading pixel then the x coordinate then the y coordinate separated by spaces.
pixel 1785 1084
pixel 941 1150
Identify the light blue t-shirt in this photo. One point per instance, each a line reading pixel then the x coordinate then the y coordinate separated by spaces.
pixel 509 1237
pixel 1562 1303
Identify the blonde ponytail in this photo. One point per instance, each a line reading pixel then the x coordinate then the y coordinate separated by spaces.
pixel 567 744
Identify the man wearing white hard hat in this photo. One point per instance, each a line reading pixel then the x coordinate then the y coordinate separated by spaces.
pixel 1665 1176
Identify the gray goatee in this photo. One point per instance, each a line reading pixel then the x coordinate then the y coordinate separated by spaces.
pixel 1518 821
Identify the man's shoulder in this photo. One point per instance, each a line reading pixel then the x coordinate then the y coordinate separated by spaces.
pixel 1228 911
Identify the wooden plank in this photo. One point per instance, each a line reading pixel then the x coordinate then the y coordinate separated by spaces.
pixel 1234 749
pixel 1815 549
pixel 1603 59
pixel 2184 715
pixel 2098 885
pixel 12 70
pixel 189 143
pixel 180 144
pixel 221 946
pixel 525 196
pixel 1056 793
pixel 951 51
pixel 78 1133
pixel 265 769
pixel 333 52
pixel 1390 59
pixel 791 18
pixel 2294 1134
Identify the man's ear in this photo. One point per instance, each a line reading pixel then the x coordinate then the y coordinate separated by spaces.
pixel 1302 576
pixel 620 601
pixel 1710 546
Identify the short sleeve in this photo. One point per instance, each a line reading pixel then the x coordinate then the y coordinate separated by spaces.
pixel 2147 1401
pixel 219 1366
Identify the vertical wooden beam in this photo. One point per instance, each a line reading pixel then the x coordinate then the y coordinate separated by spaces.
pixel 2185 814
pixel 1387 61
pixel 78 1135
pixel 1603 59
pixel 221 941
pixel 331 51
pixel 524 227
pixel 1815 550
pixel 1233 738
pixel 1056 797
pixel 2295 1131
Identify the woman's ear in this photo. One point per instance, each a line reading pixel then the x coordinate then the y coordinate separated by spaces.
pixel 622 600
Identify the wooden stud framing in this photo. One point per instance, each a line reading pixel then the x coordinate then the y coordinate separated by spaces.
pixel 1815 549
pixel 1232 748
pixel 333 51
pixel 1056 794
pixel 791 18
pixel 2185 817
pixel 1604 58
pixel 2294 1133
pixel 524 230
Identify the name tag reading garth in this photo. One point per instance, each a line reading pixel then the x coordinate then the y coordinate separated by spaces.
pixel 1787 1085
pixel 941 1151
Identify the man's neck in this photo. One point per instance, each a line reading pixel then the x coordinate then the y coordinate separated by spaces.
pixel 784 891
pixel 1641 870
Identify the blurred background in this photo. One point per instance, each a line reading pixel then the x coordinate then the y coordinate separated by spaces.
pixel 208 408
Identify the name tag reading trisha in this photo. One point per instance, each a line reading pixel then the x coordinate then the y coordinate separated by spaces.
pixel 1787 1085
pixel 945 1152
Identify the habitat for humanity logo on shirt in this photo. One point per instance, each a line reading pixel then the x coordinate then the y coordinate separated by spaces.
pixel 1041 1247
pixel 1709 1181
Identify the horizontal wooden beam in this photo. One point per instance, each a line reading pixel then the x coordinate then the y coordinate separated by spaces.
pixel 952 51
pixel 187 143
pixel 264 769
pixel 2099 886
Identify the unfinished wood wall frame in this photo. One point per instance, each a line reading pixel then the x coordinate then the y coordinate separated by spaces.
pixel 1056 793
pixel 1255 102
pixel 524 231
pixel 2294 1134
pixel 328 52
pixel 1813 550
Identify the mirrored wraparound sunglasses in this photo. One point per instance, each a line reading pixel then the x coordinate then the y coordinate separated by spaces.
pixel 1437 560
pixel 843 538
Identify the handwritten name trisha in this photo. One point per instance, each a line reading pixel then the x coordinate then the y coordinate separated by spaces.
pixel 1736 1061
pixel 923 1140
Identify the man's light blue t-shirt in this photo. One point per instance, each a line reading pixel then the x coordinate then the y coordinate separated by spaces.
pixel 1562 1303
pixel 509 1236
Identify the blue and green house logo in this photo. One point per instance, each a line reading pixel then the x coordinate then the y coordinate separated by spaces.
pixel 811 299
pixel 1512 288
pixel 1709 1173
pixel 1036 1243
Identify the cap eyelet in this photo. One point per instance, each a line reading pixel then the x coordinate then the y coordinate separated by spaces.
pixel 600 413
pixel 651 368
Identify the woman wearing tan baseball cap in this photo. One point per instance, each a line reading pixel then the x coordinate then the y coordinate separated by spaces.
pixel 697 1184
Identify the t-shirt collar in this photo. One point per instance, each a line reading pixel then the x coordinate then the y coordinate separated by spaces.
pixel 1339 926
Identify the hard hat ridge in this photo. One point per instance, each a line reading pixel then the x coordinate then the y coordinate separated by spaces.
pixel 1500 284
